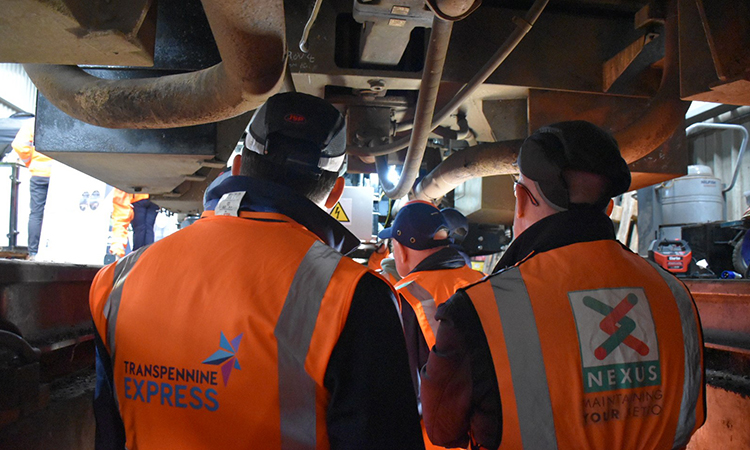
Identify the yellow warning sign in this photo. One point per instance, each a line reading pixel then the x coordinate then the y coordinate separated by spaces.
pixel 339 214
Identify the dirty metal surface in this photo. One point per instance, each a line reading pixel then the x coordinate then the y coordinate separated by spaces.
pixel 724 308
pixel 715 51
pixel 45 303
pixel 727 424
pixel 64 422
pixel 150 161
pixel 183 37
pixel 78 32
pixel 613 113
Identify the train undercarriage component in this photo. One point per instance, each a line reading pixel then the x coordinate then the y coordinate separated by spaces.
pixel 627 65
pixel 152 96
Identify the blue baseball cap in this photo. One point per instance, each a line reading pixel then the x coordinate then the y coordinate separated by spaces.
pixel 416 225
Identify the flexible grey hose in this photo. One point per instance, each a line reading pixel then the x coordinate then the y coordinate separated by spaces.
pixel 428 90
pixel 523 26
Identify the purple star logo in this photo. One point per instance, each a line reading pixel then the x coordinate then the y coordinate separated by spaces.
pixel 225 356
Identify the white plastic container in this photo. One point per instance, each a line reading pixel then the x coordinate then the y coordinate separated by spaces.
pixel 694 198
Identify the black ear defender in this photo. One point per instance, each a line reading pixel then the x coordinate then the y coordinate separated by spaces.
pixel 542 159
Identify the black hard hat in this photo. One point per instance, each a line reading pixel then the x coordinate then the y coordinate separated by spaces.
pixel 576 145
pixel 296 128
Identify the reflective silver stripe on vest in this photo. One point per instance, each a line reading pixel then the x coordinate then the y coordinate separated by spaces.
pixel 428 304
pixel 112 307
pixel 293 333
pixel 693 346
pixel 526 362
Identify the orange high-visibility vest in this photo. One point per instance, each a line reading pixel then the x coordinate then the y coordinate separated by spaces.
pixel 122 215
pixel 426 290
pixel 593 348
pixel 39 165
pixel 220 334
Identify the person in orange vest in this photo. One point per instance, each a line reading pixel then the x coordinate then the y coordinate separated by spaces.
pixel 144 218
pixel 40 167
pixel 122 215
pixel 574 342
pixel 135 209
pixel 389 271
pixel 432 271
pixel 249 328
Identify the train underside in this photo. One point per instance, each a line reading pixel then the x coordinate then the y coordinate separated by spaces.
pixel 152 96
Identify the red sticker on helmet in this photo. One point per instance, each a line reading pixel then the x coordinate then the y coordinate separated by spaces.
pixel 295 118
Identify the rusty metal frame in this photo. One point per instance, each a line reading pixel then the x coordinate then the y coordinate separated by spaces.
pixel 724 308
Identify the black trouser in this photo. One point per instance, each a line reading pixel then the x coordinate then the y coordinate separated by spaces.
pixel 144 217
pixel 38 187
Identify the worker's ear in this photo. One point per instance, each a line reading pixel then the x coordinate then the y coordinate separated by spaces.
pixel 522 199
pixel 236 165
pixel 401 255
pixel 336 192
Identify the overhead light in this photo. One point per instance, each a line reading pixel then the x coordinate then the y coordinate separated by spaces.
pixel 393 175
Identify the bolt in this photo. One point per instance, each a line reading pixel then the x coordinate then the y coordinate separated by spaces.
pixel 376 85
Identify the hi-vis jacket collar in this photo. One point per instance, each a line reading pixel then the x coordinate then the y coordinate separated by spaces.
pixel 264 196
pixel 558 230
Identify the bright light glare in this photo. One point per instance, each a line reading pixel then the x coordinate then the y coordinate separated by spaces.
pixel 393 175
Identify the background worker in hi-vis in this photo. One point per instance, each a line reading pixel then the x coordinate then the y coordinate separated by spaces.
pixel 249 329
pixel 576 342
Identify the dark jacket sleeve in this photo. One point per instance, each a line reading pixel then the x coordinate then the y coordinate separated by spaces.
pixel 459 393
pixel 372 405
pixel 416 346
pixel 110 431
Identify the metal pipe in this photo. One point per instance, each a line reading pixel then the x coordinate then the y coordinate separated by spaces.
pixel 308 26
pixel 725 126
pixel 666 112
pixel 250 36
pixel 481 160
pixel 13 216
pixel 523 26
pixel 433 71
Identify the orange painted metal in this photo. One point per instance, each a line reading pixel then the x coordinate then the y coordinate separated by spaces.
pixel 727 424
pixel 724 308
